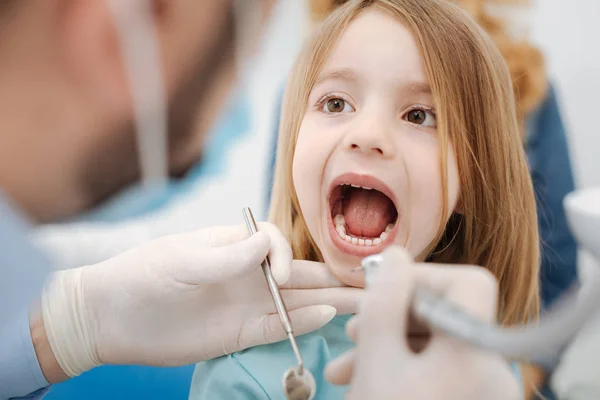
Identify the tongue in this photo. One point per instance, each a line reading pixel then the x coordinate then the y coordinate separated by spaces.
pixel 368 212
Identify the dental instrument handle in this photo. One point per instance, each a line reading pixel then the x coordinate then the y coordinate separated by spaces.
pixel 275 293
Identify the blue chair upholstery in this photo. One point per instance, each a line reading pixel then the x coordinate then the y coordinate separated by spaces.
pixel 126 382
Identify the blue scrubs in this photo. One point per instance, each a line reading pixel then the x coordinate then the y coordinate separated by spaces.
pixel 23 269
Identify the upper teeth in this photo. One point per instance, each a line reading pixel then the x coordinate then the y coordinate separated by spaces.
pixel 340 228
pixel 357 186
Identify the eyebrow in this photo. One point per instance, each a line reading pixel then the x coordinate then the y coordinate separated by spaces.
pixel 347 74
pixel 344 74
pixel 417 88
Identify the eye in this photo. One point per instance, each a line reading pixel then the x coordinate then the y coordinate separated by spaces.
pixel 336 105
pixel 419 116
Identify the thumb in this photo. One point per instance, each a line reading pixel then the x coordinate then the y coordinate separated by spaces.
pixel 340 370
pixel 233 261
pixel 304 320
pixel 386 306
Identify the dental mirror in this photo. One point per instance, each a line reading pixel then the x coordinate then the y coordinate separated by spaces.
pixel 299 384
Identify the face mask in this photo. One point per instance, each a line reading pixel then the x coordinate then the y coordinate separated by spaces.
pixel 139 45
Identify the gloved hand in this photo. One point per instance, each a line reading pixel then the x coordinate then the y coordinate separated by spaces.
pixel 185 298
pixel 577 377
pixel 384 367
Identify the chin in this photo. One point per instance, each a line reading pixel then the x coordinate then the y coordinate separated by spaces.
pixel 350 277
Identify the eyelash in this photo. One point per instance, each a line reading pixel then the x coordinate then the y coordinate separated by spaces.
pixel 319 105
pixel 420 108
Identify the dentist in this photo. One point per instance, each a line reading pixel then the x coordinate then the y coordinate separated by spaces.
pixel 95 96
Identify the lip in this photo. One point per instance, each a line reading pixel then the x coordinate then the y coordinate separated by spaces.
pixel 364 181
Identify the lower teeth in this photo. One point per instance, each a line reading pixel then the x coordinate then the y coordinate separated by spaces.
pixel 340 228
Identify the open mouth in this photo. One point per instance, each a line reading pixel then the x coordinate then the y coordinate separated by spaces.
pixel 364 217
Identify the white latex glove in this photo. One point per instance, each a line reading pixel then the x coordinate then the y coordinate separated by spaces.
pixel 185 298
pixel 383 366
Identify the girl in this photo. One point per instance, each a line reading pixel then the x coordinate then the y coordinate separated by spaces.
pixel 543 133
pixel 398 126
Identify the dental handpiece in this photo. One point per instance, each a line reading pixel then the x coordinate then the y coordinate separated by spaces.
pixel 541 342
pixel 274 289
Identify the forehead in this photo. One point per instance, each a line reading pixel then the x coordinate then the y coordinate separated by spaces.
pixel 378 45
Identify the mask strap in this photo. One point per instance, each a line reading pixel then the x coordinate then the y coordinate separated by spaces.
pixel 139 47
pixel 248 16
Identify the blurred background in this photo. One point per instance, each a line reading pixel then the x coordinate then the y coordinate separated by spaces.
pixel 565 31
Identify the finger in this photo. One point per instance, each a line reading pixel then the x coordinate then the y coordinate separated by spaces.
pixel 352 328
pixel 344 299
pixel 339 371
pixel 385 307
pixel 311 275
pixel 417 331
pixel 219 236
pixel 304 320
pixel 280 253
pixel 200 265
pixel 474 289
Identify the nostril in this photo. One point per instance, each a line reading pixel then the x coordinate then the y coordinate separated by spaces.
pixel 378 150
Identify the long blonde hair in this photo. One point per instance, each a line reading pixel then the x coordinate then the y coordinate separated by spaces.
pixel 497 224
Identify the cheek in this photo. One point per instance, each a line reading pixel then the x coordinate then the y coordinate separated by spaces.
pixel 426 197
pixel 307 173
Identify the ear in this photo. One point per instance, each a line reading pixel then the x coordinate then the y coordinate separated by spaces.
pixel 92 53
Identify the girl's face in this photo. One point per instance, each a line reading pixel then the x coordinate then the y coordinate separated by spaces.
pixel 367 163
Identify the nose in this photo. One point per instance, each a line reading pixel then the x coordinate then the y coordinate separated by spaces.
pixel 370 139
